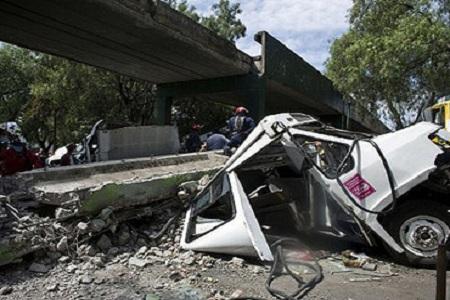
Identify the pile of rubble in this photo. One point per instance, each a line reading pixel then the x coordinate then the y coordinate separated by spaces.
pixel 81 256
pixel 68 234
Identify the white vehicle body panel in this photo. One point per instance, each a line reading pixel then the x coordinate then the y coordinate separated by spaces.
pixel 409 152
pixel 239 236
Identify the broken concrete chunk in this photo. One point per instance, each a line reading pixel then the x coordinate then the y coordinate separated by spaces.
pixel 189 187
pixel 86 279
pixel 62 244
pixel 141 251
pixel 105 214
pixel 6 290
pixel 52 287
pixel 113 251
pixel 63 259
pixel 71 268
pixel 83 227
pixel 97 225
pixel 90 250
pixel 137 262
pixel 104 243
pixel 239 262
pixel 39 268
pixel 123 236
pixel 369 266
pixel 61 213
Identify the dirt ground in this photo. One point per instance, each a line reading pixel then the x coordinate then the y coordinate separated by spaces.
pixel 173 274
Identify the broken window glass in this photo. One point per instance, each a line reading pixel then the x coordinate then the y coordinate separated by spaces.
pixel 326 155
pixel 213 208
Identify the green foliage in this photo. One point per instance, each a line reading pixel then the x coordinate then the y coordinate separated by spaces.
pixel 56 101
pixel 184 7
pixel 16 71
pixel 395 59
pixel 224 20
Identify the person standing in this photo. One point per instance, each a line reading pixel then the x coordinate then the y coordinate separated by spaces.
pixel 240 126
pixel 193 141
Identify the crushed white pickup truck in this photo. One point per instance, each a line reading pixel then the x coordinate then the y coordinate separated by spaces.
pixel 295 175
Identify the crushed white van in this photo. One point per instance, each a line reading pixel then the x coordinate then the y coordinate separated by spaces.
pixel 295 175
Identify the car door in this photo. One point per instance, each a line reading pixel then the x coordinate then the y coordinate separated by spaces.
pixel 221 220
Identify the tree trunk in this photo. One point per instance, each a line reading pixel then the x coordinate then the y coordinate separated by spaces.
pixel 396 115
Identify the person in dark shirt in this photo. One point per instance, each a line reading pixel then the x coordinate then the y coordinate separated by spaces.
pixel 193 142
pixel 240 126
pixel 216 141
pixel 67 159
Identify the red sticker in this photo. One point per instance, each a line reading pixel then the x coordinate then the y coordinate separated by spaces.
pixel 359 187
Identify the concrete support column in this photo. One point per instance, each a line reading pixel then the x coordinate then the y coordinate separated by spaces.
pixel 163 110
pixel 256 100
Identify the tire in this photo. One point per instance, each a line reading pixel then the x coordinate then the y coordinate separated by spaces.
pixel 418 227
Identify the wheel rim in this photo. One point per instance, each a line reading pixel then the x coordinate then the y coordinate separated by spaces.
pixel 421 235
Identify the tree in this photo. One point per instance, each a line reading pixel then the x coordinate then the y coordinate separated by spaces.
pixel 184 7
pixel 16 74
pixel 395 58
pixel 224 20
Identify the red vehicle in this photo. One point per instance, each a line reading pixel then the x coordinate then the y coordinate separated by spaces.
pixel 14 154
pixel 17 158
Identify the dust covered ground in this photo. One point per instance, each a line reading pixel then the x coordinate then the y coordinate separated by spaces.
pixel 161 270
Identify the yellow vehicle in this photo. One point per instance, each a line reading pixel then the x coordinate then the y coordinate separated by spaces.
pixel 439 113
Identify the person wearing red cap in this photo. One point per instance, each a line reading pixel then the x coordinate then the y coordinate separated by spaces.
pixel 240 126
pixel 193 142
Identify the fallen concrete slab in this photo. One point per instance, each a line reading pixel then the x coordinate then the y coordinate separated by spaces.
pixel 114 183
pixel 155 179
pixel 40 208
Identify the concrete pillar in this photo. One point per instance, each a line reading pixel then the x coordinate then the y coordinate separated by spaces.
pixel 163 110
pixel 256 100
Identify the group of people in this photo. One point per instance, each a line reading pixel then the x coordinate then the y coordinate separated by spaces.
pixel 239 126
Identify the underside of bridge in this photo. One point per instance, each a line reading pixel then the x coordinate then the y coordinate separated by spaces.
pixel 146 39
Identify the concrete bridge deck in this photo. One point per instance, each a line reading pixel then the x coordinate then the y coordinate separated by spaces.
pixel 146 39
pixel 142 39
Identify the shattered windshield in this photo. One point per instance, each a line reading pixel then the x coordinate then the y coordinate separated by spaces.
pixel 326 155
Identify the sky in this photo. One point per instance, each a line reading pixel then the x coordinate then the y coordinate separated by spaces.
pixel 306 26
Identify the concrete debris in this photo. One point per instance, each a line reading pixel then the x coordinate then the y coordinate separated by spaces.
pixel 86 279
pixel 82 227
pixel 237 261
pixel 61 213
pixel 62 244
pixel 237 294
pixel 53 287
pixel 104 243
pixel 39 268
pixel 97 225
pixel 6 290
pixel 137 262
pixel 71 268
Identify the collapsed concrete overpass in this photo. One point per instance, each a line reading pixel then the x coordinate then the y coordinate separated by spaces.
pixel 146 39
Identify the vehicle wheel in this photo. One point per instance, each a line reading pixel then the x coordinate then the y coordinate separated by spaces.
pixel 419 228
